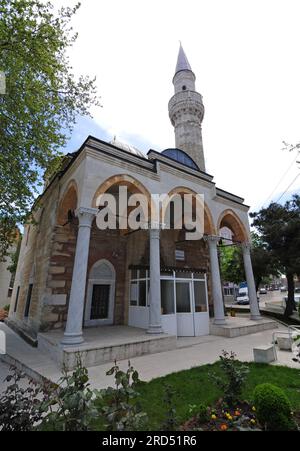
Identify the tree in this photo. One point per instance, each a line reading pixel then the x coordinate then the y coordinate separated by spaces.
pixel 279 228
pixel 231 264
pixel 263 262
pixel 40 105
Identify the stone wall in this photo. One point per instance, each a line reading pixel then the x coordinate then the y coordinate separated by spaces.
pixel 59 280
pixel 33 265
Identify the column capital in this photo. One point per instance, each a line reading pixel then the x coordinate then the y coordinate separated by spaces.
pixel 86 216
pixel 154 233
pixel 211 239
pixel 246 247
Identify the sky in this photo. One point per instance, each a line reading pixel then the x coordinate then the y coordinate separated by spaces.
pixel 245 55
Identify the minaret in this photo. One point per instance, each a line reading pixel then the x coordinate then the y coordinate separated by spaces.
pixel 186 111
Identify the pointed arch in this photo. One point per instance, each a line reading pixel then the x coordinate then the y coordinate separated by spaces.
pixel 68 201
pixel 228 218
pixel 120 179
pixel 209 227
pixel 133 185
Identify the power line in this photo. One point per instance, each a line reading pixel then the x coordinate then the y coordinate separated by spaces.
pixel 292 163
pixel 288 187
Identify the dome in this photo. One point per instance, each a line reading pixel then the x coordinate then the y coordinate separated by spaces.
pixel 181 157
pixel 127 147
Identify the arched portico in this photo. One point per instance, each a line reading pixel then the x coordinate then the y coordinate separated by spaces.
pixel 209 227
pixel 230 219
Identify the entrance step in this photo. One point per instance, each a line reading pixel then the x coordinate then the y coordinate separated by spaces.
pixel 238 326
pixel 105 344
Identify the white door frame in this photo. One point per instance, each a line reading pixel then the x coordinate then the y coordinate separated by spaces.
pixel 188 318
pixel 100 281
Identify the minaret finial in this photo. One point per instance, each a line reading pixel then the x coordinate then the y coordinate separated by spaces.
pixel 182 61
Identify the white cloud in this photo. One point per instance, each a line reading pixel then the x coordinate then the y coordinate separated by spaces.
pixel 246 59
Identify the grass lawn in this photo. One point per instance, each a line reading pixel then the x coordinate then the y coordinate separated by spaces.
pixel 194 386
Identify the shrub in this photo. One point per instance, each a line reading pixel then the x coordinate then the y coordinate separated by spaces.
pixel 120 411
pixel 199 411
pixel 273 408
pixel 70 406
pixel 170 422
pixel 233 378
pixel 6 308
pixel 20 404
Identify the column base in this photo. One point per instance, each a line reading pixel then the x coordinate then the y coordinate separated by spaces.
pixel 219 322
pixel 72 339
pixel 155 330
pixel 255 317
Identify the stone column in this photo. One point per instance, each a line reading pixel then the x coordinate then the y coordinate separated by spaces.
pixel 254 309
pixel 73 332
pixel 154 293
pixel 219 317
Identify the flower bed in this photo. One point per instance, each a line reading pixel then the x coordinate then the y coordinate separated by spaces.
pixel 221 418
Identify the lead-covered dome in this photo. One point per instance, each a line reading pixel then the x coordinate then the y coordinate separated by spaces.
pixel 128 147
pixel 181 157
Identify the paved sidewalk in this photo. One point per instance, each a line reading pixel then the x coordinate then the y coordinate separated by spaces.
pixel 190 352
pixel 31 357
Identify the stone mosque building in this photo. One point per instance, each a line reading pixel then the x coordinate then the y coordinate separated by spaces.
pixel 74 280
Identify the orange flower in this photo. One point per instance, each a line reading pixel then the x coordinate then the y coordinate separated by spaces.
pixel 223 427
pixel 237 413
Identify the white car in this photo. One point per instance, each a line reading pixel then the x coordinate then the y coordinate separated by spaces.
pixel 242 298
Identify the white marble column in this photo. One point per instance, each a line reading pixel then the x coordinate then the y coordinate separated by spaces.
pixel 254 309
pixel 73 332
pixel 219 317
pixel 154 293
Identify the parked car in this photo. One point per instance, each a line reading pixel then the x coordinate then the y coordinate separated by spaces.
pixel 282 289
pixel 243 298
pixel 262 291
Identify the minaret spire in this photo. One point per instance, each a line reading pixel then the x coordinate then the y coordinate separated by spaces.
pixel 182 61
pixel 186 111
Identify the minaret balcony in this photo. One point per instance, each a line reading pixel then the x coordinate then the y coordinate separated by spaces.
pixel 186 101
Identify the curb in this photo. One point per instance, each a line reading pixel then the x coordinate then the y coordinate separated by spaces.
pixel 30 373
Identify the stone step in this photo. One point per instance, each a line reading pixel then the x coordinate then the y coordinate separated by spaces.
pixel 235 327
pixel 98 353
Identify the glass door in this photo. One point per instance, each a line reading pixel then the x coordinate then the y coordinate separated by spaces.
pixel 184 308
